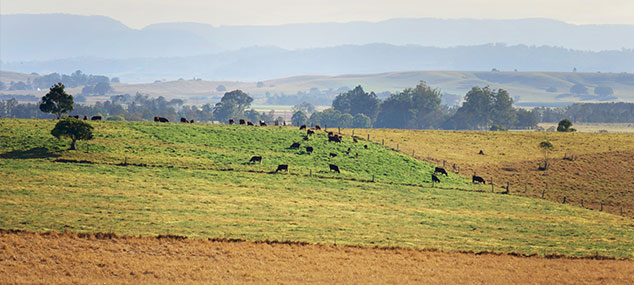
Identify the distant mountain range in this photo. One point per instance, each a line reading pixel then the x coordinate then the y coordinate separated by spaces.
pixel 57 36
pixel 100 45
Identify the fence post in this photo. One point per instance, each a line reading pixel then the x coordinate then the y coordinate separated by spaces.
pixel 525 188
pixel 413 154
pixel 353 132
pixel 368 137
pixel 443 164
pixel 491 184
pixel 507 187
pixel 601 206
pixel 339 129
pixel 564 200
pixel 382 141
pixel 396 146
pixel 582 204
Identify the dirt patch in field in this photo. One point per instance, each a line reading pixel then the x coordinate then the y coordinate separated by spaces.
pixel 91 258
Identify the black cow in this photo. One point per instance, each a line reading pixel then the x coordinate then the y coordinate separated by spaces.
pixel 295 145
pixel 262 123
pixel 243 122
pixel 306 138
pixel 183 120
pixel 355 140
pixel 309 149
pixel 282 167
pixel 302 127
pixel 333 154
pixel 365 146
pixel 95 118
pixel 334 139
pixel 441 170
pixel 85 118
pixel 330 134
pixel 191 122
pixel 434 178
pixel 249 123
pixel 76 117
pixel 310 132
pixel 256 159
pixel 334 167
pixel 232 121
pixel 478 179
pixel 163 120
pixel 481 152
pixel 317 127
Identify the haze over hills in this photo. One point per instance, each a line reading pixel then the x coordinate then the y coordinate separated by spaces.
pixel 27 37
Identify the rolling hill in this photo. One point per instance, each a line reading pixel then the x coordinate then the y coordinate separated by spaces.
pixel 194 180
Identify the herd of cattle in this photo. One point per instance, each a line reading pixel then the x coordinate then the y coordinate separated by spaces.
pixel 309 149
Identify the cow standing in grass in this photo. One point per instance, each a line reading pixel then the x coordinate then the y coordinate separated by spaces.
pixel 434 178
pixel 255 159
pixel 282 167
pixel 334 168
pixel 477 179
pixel 441 170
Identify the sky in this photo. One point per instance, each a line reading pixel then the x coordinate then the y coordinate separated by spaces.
pixel 140 13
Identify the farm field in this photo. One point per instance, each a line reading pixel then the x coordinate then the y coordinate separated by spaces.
pixel 145 178
pixel 125 259
pixel 601 172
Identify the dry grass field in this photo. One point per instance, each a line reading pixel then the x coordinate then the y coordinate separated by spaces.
pixel 602 171
pixel 27 257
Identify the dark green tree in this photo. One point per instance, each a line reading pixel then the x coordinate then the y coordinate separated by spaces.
pixel 475 111
pixel 57 101
pixel 361 121
pixel 225 110
pixel 299 118
pixel 565 125
pixel 242 99
pixel 526 119
pixel 73 129
pixel 503 113
pixel 357 101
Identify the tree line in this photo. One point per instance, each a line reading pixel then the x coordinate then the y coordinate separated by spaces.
pixel 413 108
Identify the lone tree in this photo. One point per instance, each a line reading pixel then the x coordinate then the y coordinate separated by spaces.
pixel 546 147
pixel 565 126
pixel 73 129
pixel 57 101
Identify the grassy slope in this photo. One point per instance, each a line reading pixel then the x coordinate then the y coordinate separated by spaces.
pixel 602 171
pixel 196 198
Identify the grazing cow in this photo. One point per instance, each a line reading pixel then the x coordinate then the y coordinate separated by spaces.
pixel 317 127
pixel 295 145
pixel 355 140
pixel 262 123
pixel 357 155
pixel 232 121
pixel 183 120
pixel 163 120
pixel 85 118
pixel 191 122
pixel 76 117
pixel 478 179
pixel 156 119
pixel 310 132
pixel 306 138
pixel 249 123
pixel 441 170
pixel 333 154
pixel 243 122
pixel 302 127
pixel 481 152
pixel 95 118
pixel 276 123
pixel 365 146
pixel 330 134
pixel 282 167
pixel 434 178
pixel 334 167
pixel 348 151
pixel 334 139
pixel 256 159
pixel 309 149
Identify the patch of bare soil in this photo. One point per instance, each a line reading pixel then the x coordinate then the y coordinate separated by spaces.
pixel 106 258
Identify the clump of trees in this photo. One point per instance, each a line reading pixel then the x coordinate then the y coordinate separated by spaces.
pixel 565 125
pixel 73 129
pixel 57 101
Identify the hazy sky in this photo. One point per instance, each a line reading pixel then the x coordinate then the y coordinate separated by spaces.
pixel 140 13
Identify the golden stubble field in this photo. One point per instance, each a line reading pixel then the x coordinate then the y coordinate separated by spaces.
pixel 27 257
pixel 601 172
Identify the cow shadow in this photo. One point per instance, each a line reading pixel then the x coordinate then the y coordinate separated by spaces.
pixel 33 153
